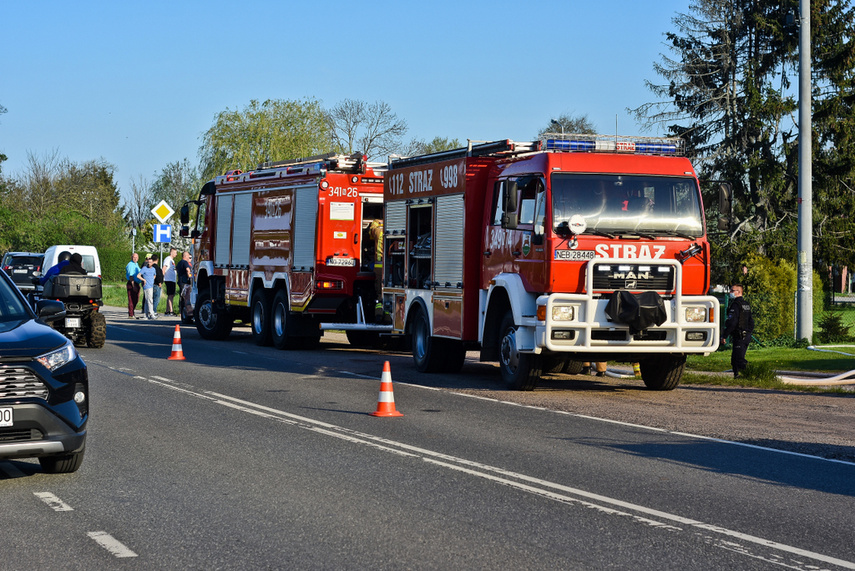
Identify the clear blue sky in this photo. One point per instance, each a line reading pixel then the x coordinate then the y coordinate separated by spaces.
pixel 137 83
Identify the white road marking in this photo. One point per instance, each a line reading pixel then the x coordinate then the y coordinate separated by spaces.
pixel 53 502
pixel 111 544
pixel 544 488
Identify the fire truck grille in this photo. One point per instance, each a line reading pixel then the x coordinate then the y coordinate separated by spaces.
pixel 634 277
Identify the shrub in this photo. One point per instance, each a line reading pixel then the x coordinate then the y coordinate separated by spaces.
pixel 832 329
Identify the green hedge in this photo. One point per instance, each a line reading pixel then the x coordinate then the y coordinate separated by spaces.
pixel 770 288
pixel 113 262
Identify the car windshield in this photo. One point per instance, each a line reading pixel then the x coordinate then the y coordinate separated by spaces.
pixel 12 308
pixel 624 204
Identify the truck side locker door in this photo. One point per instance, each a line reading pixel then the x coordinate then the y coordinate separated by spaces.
pixel 223 247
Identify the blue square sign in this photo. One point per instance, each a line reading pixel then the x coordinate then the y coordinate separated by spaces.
pixel 162 233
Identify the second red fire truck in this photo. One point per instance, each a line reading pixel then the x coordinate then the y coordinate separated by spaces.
pixel 285 247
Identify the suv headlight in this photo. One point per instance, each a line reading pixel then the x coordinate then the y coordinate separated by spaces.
pixel 58 358
pixel 696 314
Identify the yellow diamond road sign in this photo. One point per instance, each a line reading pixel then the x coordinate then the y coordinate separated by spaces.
pixel 162 212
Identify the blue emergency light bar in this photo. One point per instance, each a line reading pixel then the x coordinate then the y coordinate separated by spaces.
pixel 613 144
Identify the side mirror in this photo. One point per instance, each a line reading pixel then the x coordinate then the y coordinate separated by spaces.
pixel 512 196
pixel 50 309
pixel 510 218
pixel 725 206
pixel 185 214
pixel 184 232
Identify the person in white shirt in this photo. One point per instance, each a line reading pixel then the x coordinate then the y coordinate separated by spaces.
pixel 169 280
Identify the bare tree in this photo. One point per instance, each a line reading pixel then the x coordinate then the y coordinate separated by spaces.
pixel 368 128
pixel 138 208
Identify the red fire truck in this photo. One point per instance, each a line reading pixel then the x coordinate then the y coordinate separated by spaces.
pixel 574 248
pixel 286 247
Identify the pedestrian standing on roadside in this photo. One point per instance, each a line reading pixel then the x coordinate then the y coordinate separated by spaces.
pixel 739 326
pixel 147 275
pixel 182 275
pixel 158 283
pixel 169 280
pixel 132 270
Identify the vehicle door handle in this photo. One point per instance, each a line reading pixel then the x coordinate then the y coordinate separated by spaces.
pixel 487 253
pixel 516 253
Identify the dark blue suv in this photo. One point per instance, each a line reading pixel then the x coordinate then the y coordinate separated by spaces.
pixel 44 385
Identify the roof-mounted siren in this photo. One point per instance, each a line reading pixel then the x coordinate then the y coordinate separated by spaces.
pixel 585 143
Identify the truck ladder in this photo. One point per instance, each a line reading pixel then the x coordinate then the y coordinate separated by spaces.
pixel 504 147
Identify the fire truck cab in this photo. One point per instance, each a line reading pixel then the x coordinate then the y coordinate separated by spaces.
pixel 574 248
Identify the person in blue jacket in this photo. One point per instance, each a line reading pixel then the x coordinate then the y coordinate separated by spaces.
pixel 62 260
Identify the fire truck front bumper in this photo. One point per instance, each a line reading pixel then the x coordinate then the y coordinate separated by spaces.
pixel 579 324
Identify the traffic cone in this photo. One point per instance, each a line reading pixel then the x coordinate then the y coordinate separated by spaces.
pixel 386 402
pixel 177 352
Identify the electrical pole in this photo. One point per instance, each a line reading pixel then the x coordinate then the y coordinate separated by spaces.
pixel 804 300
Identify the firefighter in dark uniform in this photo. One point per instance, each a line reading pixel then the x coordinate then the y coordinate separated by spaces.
pixel 739 327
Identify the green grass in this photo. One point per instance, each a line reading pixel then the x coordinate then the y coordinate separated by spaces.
pixel 762 364
pixel 778 358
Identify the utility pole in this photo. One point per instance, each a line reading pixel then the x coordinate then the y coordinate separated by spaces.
pixel 804 301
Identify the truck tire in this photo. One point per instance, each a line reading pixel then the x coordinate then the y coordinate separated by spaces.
pixel 261 322
pixel 280 315
pixel 662 372
pixel 62 464
pixel 427 349
pixel 96 330
pixel 572 367
pixel 211 322
pixel 520 371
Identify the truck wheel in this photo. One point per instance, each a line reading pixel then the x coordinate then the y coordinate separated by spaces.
pixel 96 330
pixel 520 371
pixel 280 316
pixel 663 372
pixel 62 464
pixel 427 350
pixel 212 323
pixel 262 330
pixel 573 367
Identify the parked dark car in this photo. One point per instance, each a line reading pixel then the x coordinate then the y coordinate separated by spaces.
pixel 22 267
pixel 44 385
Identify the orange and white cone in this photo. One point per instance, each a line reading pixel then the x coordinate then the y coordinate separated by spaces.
pixel 386 402
pixel 177 352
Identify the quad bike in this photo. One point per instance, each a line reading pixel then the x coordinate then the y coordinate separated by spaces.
pixel 83 322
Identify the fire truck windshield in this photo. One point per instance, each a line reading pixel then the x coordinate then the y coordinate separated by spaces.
pixel 620 204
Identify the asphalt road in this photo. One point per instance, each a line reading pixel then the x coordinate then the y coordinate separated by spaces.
pixel 245 457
